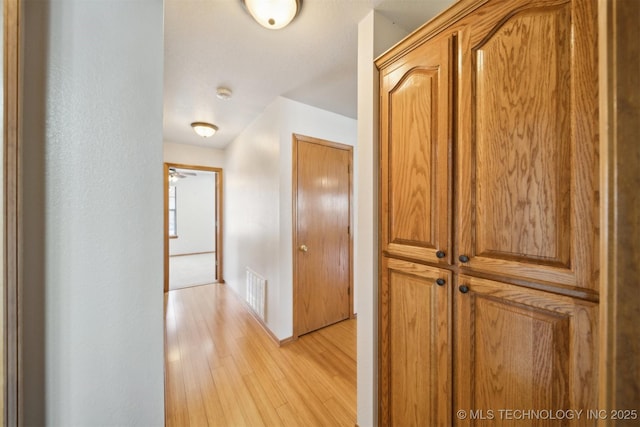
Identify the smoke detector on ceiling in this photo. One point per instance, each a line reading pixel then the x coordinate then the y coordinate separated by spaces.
pixel 223 93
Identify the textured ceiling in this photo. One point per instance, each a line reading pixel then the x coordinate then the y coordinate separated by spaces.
pixel 211 43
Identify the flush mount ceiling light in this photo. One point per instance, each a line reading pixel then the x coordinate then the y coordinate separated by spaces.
pixel 273 14
pixel 203 129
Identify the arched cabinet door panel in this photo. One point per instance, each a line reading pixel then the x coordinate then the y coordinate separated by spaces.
pixel 528 142
pixel 414 154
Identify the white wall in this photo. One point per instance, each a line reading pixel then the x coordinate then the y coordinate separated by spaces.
pixel 251 209
pixel 375 34
pixel 196 214
pixel 259 200
pixel 193 155
pixel 93 300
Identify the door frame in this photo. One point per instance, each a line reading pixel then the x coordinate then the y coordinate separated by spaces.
pixel 219 211
pixel 296 138
pixel 619 364
pixel 12 218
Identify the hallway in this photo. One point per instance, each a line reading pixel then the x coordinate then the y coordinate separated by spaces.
pixel 222 369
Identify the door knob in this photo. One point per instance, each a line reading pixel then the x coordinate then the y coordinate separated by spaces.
pixel 303 248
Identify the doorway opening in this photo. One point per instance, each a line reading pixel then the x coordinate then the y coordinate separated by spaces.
pixel 192 226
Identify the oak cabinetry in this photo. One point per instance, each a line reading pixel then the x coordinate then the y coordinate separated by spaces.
pixel 489 181
pixel 520 348
pixel 416 349
pixel 415 165
pixel 527 141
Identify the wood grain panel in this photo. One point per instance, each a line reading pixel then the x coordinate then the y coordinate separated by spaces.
pixel 527 146
pixel 523 349
pixel 415 355
pixel 322 274
pixel 410 335
pixel 510 341
pixel 415 134
pixel 522 136
pixel 411 171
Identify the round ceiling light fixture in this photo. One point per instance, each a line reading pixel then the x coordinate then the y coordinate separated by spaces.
pixel 204 129
pixel 273 14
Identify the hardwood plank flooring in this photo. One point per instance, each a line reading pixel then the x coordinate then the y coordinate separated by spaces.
pixel 222 369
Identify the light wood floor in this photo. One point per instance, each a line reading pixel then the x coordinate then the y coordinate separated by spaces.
pixel 222 369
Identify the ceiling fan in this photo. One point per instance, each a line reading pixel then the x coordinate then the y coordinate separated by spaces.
pixel 174 174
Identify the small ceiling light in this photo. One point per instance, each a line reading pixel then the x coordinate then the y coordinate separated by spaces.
pixel 223 93
pixel 273 14
pixel 203 129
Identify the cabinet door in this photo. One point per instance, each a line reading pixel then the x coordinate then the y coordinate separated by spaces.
pixel 415 349
pixel 528 142
pixel 522 349
pixel 414 154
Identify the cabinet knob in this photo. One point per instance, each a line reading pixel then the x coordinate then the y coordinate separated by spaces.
pixel 441 254
pixel 464 289
pixel 463 258
pixel 440 282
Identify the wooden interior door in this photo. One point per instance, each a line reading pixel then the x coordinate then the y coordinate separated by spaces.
pixel 322 233
pixel 521 348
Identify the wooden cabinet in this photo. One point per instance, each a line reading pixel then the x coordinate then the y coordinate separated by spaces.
pixel 519 348
pixel 415 344
pixel 415 102
pixel 527 142
pixel 489 180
